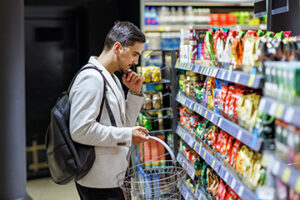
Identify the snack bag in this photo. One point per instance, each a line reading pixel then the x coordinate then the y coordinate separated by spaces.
pixel 156 74
pixel 235 152
pixel 221 191
pixel 212 182
pixel 227 101
pixel 209 47
pixel 231 195
pixel 223 95
pixel 146 73
pixel 209 93
pixel 219 44
pixel 227 50
pixel 237 51
pixel 241 159
pixel 229 147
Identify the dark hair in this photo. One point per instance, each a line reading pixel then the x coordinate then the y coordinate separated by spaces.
pixel 124 32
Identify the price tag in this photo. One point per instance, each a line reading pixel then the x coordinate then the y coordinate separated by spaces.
pixel 279 111
pixel 198 69
pixel 286 175
pixel 204 155
pixel 212 117
pixel 276 168
pixel 264 160
pixel 297 188
pixel 211 72
pixel 200 196
pixel 289 115
pixel 273 109
pixel 220 122
pixel 204 71
pixel 200 148
pixel 190 66
pixel 213 164
pixel 187 139
pixel 215 72
pixel 201 111
pixel 251 80
pixel 223 75
pixel 202 68
pixel 237 78
pixel 233 182
pixel 262 105
pixel 229 76
pixel 241 191
pixel 226 177
pixel 239 135
pixel 205 115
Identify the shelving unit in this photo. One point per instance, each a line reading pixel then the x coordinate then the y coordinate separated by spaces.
pixel 231 179
pixel 185 192
pixel 250 80
pixel 288 113
pixel 182 160
pixel 286 172
pixel 233 129
pixel 177 28
pixel 246 3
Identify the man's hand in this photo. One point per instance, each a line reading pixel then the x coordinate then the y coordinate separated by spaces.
pixel 133 81
pixel 139 135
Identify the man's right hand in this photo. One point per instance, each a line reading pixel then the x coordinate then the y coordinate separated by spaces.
pixel 139 135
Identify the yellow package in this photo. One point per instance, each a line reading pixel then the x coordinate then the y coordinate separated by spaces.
pixel 155 74
pixel 146 73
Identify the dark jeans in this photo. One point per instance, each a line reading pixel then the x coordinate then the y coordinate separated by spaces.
pixel 86 193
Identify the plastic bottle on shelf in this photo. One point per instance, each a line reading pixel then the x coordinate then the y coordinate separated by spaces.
pixel 180 15
pixel 164 15
pixel 189 15
pixel 173 16
pixel 147 16
pixel 153 16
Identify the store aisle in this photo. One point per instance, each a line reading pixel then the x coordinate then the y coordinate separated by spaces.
pixel 46 189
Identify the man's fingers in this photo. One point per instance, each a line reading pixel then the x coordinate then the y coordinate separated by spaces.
pixel 143 129
pixel 129 76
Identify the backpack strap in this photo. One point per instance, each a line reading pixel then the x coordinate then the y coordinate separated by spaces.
pixel 111 117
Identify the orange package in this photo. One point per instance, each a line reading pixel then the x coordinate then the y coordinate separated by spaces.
pixel 147 154
pixel 161 151
pixel 154 153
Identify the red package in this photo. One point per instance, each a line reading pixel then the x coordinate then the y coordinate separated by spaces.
pixel 224 144
pixel 229 147
pixel 219 140
pixel 235 152
pixel 221 191
pixel 231 195
pixel 223 94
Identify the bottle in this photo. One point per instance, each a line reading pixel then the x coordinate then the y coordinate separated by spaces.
pixel 146 16
pixel 153 16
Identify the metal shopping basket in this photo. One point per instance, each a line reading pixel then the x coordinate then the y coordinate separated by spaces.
pixel 156 182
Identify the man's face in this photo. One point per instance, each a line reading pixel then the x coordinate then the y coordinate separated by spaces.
pixel 129 56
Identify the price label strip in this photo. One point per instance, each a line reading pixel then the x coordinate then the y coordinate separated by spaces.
pixel 251 80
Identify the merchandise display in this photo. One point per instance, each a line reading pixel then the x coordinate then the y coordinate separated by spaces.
pixel 240 128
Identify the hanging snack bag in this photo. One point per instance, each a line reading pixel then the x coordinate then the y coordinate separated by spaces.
pixel 229 147
pixel 227 50
pixel 219 45
pixel 235 152
pixel 209 47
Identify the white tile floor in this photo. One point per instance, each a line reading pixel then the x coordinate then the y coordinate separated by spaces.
pixel 46 189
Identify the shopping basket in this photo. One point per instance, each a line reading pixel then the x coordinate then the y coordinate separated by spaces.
pixel 156 182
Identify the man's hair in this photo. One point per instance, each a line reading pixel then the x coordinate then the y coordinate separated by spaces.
pixel 124 32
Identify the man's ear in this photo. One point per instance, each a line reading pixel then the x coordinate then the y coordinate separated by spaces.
pixel 117 48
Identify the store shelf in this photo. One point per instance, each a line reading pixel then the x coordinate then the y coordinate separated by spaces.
pixel 239 187
pixel 155 110
pixel 288 174
pixel 159 131
pixel 189 168
pixel 163 81
pixel 185 192
pixel 178 27
pixel 282 111
pixel 200 195
pixel 242 78
pixel 247 3
pixel 247 138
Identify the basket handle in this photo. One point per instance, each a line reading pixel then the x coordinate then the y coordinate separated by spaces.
pixel 161 142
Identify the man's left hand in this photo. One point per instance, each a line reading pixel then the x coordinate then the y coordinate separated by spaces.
pixel 133 81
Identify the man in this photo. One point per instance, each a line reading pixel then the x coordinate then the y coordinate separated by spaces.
pixel 122 48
